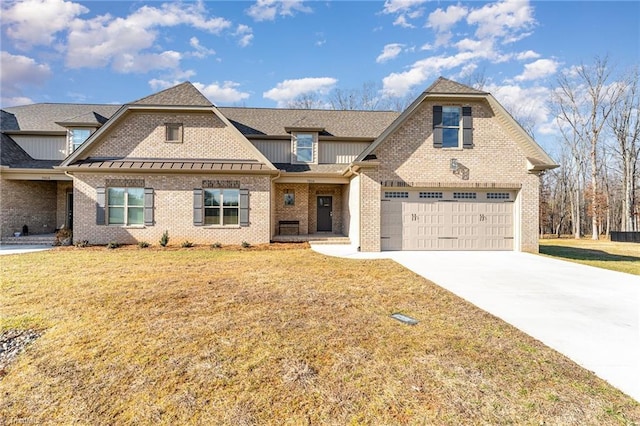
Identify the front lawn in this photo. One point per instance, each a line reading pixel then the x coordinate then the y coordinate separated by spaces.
pixel 622 257
pixel 239 337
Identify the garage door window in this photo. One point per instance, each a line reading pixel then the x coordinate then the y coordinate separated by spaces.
pixel 464 195
pixel 436 195
pixel 498 196
pixel 396 194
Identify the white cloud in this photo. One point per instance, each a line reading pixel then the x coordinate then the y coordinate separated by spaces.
pixel 288 90
pixel 529 54
pixel 442 20
pixel 401 21
pixel 538 69
pixel 36 22
pixel 245 35
pixel 524 103
pixel 225 93
pixel 127 43
pixel 267 10
pixel 508 19
pixel 401 6
pixel 199 50
pixel 390 51
pixel 19 72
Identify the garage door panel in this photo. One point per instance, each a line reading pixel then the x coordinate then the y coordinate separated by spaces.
pixel 430 224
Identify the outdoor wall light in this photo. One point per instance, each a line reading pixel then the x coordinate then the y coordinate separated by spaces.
pixel 454 164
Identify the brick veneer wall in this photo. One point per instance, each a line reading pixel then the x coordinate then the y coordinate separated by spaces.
pixel 408 155
pixel 335 191
pixel 31 203
pixel 61 215
pixel 173 211
pixel 299 211
pixel 142 135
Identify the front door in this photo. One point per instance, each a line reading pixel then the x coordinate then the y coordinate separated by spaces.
pixel 324 214
pixel 69 221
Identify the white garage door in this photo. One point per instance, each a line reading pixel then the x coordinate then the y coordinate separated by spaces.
pixel 447 220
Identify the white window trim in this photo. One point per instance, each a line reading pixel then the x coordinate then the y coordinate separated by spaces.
pixel 294 148
pixel 460 132
pixel 72 146
pixel 221 207
pixel 126 223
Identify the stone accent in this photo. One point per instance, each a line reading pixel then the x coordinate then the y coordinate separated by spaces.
pixel 173 211
pixel 27 202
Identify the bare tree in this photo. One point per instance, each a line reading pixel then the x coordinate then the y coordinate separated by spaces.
pixel 584 100
pixel 625 125
pixel 308 100
pixel 365 98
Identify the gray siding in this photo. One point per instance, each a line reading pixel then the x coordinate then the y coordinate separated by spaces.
pixel 340 152
pixel 277 151
pixel 43 147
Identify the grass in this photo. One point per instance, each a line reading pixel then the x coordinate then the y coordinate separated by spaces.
pixel 272 336
pixel 616 256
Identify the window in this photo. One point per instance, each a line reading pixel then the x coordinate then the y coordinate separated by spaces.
pixel 173 132
pixel 396 194
pixel 451 127
pixel 78 136
pixel 289 197
pixel 125 206
pixel 464 195
pixel 304 147
pixel 498 195
pixel 430 195
pixel 221 206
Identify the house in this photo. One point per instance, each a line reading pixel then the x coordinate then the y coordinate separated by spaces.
pixel 454 171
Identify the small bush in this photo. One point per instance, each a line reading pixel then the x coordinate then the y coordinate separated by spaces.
pixel 186 244
pixel 64 237
pixel 143 244
pixel 82 244
pixel 164 240
pixel 216 245
pixel 113 245
pixel 245 244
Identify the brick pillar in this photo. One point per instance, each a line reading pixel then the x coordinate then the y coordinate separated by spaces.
pixel 370 210
pixel 530 213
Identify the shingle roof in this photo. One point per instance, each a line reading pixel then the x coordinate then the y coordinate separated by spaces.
pixel 184 94
pixel 44 117
pixel 13 156
pixel 273 121
pixel 446 86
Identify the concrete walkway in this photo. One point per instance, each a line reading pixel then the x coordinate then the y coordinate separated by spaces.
pixel 591 315
pixel 18 249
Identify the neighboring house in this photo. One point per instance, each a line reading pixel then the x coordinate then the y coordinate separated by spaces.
pixel 452 172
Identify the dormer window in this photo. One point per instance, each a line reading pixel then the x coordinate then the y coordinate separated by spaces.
pixel 78 136
pixel 303 147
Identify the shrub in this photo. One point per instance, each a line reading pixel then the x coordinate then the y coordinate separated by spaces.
pixel 187 244
pixel 164 240
pixel 216 245
pixel 245 244
pixel 63 237
pixel 82 244
pixel 143 244
pixel 113 245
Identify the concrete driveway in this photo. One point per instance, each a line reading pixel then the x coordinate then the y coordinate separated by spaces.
pixel 19 249
pixel 591 315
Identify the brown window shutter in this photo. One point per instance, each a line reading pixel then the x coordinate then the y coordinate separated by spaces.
pixel 148 206
pixel 437 126
pixel 467 128
pixel 244 207
pixel 198 210
pixel 101 201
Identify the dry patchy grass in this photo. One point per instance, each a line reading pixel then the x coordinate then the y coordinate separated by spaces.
pixel 616 256
pixel 201 336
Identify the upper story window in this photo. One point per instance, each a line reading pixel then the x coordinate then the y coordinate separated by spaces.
pixel 78 136
pixel 452 127
pixel 451 124
pixel 303 147
pixel 173 132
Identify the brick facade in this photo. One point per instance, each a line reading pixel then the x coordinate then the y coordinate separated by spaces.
pixel 28 202
pixel 408 156
pixel 173 211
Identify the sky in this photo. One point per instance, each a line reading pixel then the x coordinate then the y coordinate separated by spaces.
pixel 266 53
